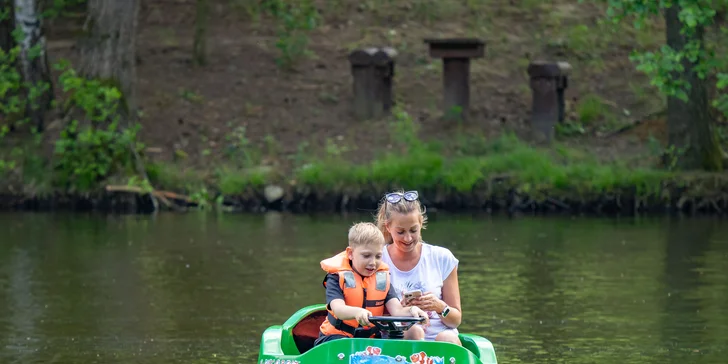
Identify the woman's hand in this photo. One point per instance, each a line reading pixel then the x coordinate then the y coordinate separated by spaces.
pixel 417 312
pixel 428 302
pixel 362 317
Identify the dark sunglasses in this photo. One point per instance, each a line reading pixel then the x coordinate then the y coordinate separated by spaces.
pixel 394 197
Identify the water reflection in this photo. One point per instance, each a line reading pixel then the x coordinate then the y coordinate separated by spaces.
pixel 201 288
pixel 542 296
pixel 686 246
pixel 23 307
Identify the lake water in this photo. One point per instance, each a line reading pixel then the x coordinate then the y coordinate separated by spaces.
pixel 201 288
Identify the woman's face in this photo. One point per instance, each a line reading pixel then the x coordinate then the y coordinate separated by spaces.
pixel 405 230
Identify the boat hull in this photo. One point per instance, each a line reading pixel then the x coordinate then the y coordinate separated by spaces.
pixel 292 343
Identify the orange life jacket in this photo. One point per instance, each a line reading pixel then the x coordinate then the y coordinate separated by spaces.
pixel 366 292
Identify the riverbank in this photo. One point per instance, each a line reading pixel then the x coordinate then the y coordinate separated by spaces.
pixel 693 195
pixel 498 195
pixel 209 138
pixel 505 175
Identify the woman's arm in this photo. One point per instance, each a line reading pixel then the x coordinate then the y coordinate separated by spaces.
pixel 451 298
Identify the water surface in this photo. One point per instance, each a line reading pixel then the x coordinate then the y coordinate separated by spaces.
pixel 200 288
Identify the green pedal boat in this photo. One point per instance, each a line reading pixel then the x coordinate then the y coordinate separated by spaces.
pixel 292 343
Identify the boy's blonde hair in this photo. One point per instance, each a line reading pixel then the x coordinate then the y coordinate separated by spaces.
pixel 365 233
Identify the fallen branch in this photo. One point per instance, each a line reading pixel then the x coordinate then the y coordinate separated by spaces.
pixel 558 203
pixel 139 190
pixel 635 123
pixel 162 196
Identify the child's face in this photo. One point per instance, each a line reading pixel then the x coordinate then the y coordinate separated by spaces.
pixel 365 259
pixel 405 230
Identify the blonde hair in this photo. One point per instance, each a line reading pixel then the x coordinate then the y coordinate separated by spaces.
pixel 365 233
pixel 403 207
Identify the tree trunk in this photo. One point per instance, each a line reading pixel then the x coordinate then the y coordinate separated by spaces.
pixel 108 48
pixel 7 25
pixel 690 124
pixel 34 61
pixel 200 41
pixel 108 53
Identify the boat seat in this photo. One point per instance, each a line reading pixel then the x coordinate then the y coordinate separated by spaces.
pixel 306 331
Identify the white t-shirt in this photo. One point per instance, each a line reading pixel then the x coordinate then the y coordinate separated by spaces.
pixel 435 264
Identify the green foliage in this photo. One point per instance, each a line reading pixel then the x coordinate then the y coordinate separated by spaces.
pixel 530 170
pixel 669 68
pixel 240 150
pixel 233 182
pixel 11 82
pixel 404 130
pixel 245 161
pixel 15 92
pixel 721 102
pixel 664 65
pixel 590 108
pixel 89 149
pixel 330 169
pixel 570 128
pixel 15 96
pixel 4 12
pixel 295 19
pixel 169 176
pixel 144 184
pixel 58 8
pixel 93 146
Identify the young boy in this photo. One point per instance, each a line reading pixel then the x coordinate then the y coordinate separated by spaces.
pixel 358 286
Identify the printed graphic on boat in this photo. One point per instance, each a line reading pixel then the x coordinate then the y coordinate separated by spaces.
pixel 372 355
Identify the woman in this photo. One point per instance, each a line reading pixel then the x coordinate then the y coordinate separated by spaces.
pixel 416 265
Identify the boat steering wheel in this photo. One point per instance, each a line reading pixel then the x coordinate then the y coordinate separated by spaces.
pixel 394 325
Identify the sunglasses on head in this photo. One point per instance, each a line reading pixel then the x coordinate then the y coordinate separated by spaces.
pixel 394 197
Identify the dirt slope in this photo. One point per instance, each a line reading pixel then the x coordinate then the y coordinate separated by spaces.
pixel 192 112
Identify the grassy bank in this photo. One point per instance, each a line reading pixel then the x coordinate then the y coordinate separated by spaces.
pixel 468 172
pixel 210 139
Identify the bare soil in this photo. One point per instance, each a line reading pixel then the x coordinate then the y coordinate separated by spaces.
pixel 189 111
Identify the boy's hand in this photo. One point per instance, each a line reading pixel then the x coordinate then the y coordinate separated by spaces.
pixel 417 312
pixel 362 317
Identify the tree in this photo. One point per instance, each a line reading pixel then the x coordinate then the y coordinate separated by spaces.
pixel 680 70
pixel 108 47
pixel 33 61
pixel 7 25
pixel 689 118
pixel 108 54
pixel 200 41
pixel 8 72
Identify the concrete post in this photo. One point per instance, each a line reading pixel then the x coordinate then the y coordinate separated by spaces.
pixel 456 54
